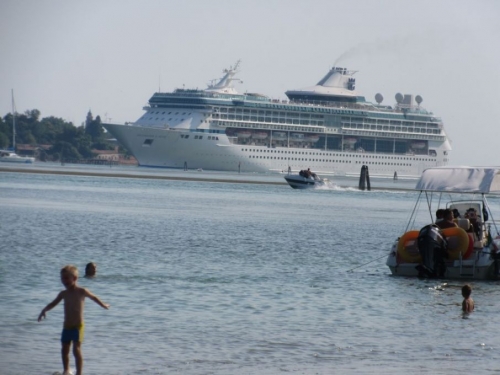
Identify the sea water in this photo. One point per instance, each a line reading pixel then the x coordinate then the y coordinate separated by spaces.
pixel 228 278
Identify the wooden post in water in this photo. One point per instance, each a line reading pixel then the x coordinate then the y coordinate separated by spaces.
pixel 368 185
pixel 364 179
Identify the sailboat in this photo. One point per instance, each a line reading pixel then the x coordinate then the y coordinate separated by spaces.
pixel 10 156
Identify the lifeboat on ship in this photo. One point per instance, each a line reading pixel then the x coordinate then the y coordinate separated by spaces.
pixel 279 136
pixel 259 135
pixel 311 138
pixel 244 134
pixel 350 141
pixel 297 137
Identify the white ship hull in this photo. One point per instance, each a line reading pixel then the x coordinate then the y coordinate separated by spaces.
pixel 170 149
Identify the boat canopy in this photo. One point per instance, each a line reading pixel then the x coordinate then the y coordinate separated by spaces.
pixel 460 180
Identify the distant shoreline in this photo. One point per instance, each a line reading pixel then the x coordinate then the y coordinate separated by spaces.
pixel 239 180
pixel 127 175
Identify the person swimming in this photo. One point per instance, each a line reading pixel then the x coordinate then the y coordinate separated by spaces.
pixel 90 269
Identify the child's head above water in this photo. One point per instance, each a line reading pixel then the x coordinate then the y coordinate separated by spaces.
pixel 90 269
pixel 466 291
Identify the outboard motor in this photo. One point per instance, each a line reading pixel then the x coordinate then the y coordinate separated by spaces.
pixel 432 248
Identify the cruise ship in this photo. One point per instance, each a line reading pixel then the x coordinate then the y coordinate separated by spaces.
pixel 329 128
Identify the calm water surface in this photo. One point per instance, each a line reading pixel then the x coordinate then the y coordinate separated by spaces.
pixel 213 278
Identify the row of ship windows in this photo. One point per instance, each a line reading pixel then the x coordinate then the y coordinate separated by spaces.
pixel 265 126
pixel 328 160
pixel 229 124
pixel 302 115
pixel 266 113
pixel 270 120
pixel 391 128
pixel 372 120
pixel 344 126
pixel 210 137
pixel 396 135
pixel 333 154
pixel 158 112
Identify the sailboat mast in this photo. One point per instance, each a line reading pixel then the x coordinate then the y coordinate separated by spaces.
pixel 13 122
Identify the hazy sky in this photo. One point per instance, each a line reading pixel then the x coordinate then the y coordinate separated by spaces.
pixel 64 57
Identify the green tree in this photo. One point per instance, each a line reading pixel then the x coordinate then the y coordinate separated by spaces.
pixel 64 151
pixel 4 141
pixel 67 140
pixel 94 127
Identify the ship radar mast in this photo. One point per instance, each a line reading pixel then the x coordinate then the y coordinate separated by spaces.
pixel 225 84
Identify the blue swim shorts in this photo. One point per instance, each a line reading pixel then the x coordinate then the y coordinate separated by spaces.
pixel 72 334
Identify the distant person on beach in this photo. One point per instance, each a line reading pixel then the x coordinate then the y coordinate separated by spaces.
pixel 74 298
pixel 468 303
pixel 90 269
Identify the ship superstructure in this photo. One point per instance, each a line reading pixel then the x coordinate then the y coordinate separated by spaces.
pixel 328 127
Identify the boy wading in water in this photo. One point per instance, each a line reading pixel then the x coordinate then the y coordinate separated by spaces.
pixel 74 298
pixel 468 302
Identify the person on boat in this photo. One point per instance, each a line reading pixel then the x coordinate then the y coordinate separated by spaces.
pixel 307 173
pixel 447 221
pixel 475 227
pixel 312 174
pixel 90 269
pixel 468 302
pixel 456 214
pixel 439 215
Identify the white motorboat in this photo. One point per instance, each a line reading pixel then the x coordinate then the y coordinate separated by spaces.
pixel 11 157
pixel 467 251
pixel 304 180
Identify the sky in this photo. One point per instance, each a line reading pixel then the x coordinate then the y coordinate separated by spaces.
pixel 64 57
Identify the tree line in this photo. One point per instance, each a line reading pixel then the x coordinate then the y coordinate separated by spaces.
pixel 67 141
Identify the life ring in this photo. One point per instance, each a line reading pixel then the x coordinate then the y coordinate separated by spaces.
pixel 407 256
pixel 464 243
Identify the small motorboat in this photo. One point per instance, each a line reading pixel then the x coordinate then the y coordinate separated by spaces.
pixel 304 180
pixel 468 249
